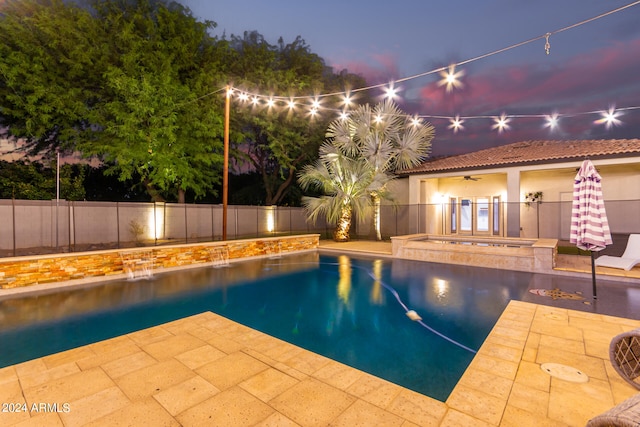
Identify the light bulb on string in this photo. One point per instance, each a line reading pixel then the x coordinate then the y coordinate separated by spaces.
pixel 450 78
pixel 271 103
pixel 456 124
pixel 609 118
pixel 390 92
pixel 315 104
pixel 346 100
pixel 552 121
pixel 501 123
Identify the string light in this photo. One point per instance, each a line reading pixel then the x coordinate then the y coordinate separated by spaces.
pixel 477 58
pixel 390 92
pixel 450 79
pixel 456 124
pixel 609 118
pixel 501 123
pixel 552 121
pixel 270 103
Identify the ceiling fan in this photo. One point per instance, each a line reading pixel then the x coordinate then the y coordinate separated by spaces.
pixel 470 178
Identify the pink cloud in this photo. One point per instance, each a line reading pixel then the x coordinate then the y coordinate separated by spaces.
pixel 585 81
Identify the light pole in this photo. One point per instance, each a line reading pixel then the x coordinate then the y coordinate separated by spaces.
pixel 57 192
pixel 225 165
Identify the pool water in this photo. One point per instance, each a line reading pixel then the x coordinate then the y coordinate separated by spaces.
pixel 350 309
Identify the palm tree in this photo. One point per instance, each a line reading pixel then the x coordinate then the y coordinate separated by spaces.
pixel 387 140
pixel 346 183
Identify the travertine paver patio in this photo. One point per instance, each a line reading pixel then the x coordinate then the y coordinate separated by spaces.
pixel 208 370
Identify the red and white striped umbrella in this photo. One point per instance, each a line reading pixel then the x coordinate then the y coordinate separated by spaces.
pixel 589 225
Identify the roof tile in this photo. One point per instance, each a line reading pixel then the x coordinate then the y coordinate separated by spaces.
pixel 531 152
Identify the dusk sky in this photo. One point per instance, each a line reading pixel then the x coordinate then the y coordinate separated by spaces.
pixel 590 68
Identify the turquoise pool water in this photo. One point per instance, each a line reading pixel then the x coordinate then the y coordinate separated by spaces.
pixel 350 309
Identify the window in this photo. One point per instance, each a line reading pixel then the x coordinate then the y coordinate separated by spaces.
pixel 453 202
pixel 496 215
pixel 466 214
pixel 482 213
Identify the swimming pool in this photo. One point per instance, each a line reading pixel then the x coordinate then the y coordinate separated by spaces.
pixel 350 309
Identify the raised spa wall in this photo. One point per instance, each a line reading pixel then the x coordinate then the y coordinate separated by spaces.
pixel 25 271
pixel 531 255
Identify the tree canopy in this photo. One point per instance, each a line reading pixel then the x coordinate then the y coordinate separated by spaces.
pixel 37 181
pixel 137 84
pixel 120 81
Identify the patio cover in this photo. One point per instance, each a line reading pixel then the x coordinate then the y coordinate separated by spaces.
pixel 589 224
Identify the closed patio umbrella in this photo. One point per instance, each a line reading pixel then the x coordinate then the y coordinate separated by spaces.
pixel 589 225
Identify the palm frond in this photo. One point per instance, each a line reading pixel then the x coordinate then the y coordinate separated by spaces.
pixel 414 146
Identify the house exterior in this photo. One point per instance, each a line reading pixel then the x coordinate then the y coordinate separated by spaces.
pixel 524 189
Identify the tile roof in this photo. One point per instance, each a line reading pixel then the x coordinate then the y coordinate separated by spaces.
pixel 531 152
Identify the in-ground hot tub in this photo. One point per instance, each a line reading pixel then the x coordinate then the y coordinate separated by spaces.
pixel 531 255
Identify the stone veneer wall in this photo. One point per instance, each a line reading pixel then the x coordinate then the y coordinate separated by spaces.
pixel 25 271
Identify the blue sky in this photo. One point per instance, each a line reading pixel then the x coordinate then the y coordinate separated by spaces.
pixel 590 68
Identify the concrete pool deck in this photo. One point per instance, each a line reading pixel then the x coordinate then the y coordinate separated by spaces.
pixel 208 370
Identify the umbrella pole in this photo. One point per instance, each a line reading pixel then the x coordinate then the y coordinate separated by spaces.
pixel 593 276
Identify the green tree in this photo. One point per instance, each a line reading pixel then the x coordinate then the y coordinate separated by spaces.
pixel 153 124
pixel 387 140
pixel 121 80
pixel 277 141
pixel 37 181
pixel 47 72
